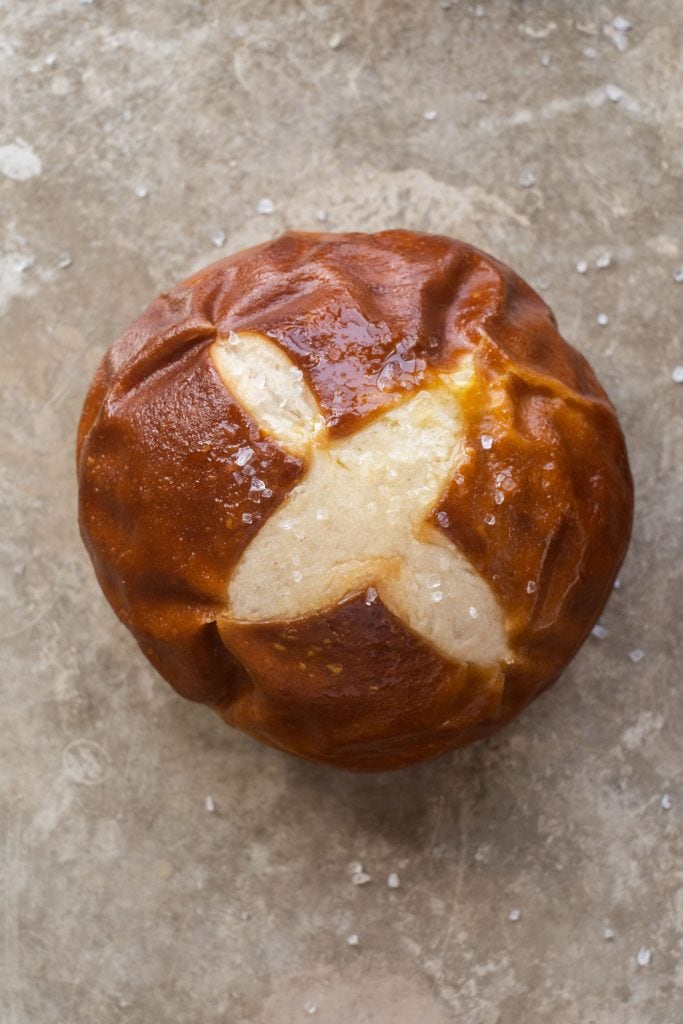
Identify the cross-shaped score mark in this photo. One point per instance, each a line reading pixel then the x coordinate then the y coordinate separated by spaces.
pixel 359 521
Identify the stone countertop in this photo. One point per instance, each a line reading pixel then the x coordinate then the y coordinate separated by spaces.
pixel 541 871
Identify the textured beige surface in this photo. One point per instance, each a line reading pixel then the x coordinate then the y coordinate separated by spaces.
pixel 123 898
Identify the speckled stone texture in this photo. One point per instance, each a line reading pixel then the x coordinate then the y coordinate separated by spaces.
pixel 135 135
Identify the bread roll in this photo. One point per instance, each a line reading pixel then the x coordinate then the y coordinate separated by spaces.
pixel 355 493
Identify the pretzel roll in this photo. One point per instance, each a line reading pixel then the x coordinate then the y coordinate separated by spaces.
pixel 355 493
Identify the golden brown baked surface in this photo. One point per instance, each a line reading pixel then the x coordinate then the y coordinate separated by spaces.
pixel 532 511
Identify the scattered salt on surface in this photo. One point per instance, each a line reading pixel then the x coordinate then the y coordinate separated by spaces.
pixel 218 238
pixel 360 877
pixel 621 24
pixel 527 179
pixel 353 940
pixel 247 517
pixel 514 915
pixel 678 275
pixel 141 192
pixel 636 655
pixel 310 1006
pixel 604 260
pixel 322 514
pixel 474 614
pixel 677 375
pixel 486 441
pixel 614 92
pixel 643 956
pixel 581 266
pixel 265 206
pixel 599 632
pixel 297 576
pixel 393 880
pixel 602 319
pixel 531 587
pixel 437 596
pixel 64 261
pixel 209 804
pixel 489 519
pixel 608 934
pixel 442 518
pixel 666 803
pixel 370 596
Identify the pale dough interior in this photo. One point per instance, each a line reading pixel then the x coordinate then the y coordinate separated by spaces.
pixel 359 519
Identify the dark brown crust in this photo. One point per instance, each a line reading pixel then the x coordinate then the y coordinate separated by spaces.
pixel 161 515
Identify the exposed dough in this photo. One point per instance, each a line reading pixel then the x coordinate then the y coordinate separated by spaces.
pixel 360 518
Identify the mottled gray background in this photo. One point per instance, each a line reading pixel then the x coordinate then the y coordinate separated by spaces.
pixel 138 138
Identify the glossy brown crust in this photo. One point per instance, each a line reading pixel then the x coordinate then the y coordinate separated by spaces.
pixel 161 504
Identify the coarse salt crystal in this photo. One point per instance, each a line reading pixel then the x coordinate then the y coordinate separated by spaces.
pixel 678 275
pixel 247 517
pixel 437 596
pixel 514 915
pixel 666 803
pixel 604 260
pixel 370 596
pixel 643 956
pixel 218 238
pixel 297 576
pixel 429 115
pixel 353 940
pixel 614 92
pixel 602 319
pixel 486 441
pixel 599 632
pixel 581 266
pixel 243 456
pixel 310 1006
pixel 636 655
pixel 527 179
pixel 360 878
pixel 393 880
pixel 608 934
pixel 209 804
pixel 322 514
pixel 531 587
pixel 621 24
pixel 489 519
pixel 499 497
pixel 474 614
pixel 141 192
pixel 677 375
pixel 265 206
